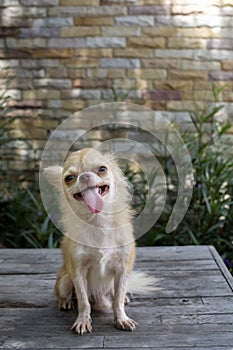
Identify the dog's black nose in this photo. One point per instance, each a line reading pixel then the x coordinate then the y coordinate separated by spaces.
pixel 84 178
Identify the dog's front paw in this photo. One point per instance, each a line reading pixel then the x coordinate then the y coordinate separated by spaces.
pixel 82 325
pixel 126 324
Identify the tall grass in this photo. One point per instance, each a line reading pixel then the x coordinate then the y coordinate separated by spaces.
pixel 209 219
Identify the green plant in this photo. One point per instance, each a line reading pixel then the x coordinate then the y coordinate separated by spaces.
pixel 209 219
pixel 138 186
pixel 24 222
pixel 118 95
pixel 211 207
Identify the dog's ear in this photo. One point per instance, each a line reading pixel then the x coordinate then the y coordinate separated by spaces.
pixel 53 175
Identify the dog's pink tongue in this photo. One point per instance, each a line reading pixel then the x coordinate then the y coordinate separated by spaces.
pixel 93 199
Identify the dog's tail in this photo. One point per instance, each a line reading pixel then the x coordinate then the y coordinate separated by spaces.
pixel 141 283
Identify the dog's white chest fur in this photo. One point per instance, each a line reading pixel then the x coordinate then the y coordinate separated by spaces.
pixel 100 266
pixel 101 261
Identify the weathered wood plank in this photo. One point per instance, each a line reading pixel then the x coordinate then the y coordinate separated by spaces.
pixel 222 267
pixel 137 310
pixel 27 325
pixel 34 261
pixel 36 321
pixel 28 290
pixel 193 309
pixel 218 305
pixel 38 289
pixel 52 341
pixel 178 265
pixel 198 319
pixel 15 267
pixel 170 337
pixel 193 284
pixel 186 336
pixel 185 253
pixel 180 348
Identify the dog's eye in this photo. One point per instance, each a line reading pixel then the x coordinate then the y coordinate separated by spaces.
pixel 102 169
pixel 69 178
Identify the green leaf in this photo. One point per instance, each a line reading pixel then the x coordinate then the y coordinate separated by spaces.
pixel 207 202
pixel 216 92
pixel 33 199
pixel 210 115
pixel 45 225
pixel 28 235
pixel 193 237
pixel 192 116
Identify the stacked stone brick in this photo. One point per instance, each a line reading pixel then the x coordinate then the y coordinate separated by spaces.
pixel 60 56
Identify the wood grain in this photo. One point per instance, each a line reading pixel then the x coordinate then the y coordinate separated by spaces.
pixel 192 310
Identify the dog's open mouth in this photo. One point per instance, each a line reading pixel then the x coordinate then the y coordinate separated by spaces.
pixel 93 196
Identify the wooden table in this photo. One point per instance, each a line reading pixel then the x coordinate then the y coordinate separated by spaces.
pixel 193 309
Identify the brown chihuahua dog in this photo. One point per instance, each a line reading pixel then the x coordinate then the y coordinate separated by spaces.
pixel 98 247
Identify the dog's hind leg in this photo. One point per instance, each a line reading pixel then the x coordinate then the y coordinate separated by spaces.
pixel 64 290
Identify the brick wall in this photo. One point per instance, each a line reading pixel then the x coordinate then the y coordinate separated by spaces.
pixel 59 56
